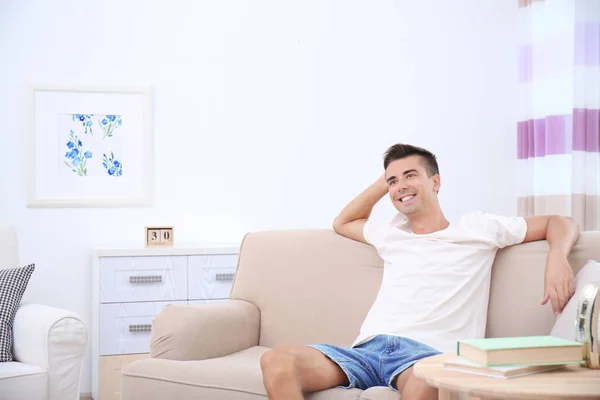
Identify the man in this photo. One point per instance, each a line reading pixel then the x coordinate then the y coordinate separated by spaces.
pixel 435 283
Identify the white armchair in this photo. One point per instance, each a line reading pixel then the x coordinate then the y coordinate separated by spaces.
pixel 48 346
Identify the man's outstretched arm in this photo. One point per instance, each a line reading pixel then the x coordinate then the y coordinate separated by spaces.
pixel 352 218
pixel 561 233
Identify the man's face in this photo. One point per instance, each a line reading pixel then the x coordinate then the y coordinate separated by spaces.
pixel 411 189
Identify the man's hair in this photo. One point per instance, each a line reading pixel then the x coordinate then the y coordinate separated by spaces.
pixel 400 150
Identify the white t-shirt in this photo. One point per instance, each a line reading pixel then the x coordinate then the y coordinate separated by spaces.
pixel 435 286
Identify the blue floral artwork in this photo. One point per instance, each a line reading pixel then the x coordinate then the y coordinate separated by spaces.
pixel 75 157
pixel 86 122
pixel 83 137
pixel 113 167
pixel 109 123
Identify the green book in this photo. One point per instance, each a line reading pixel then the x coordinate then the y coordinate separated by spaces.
pixel 521 350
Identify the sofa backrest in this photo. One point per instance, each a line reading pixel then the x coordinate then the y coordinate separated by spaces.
pixel 315 286
pixel 517 286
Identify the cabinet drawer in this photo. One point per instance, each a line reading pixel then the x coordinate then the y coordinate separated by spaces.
pixel 143 279
pixel 210 283
pixel 214 261
pixel 125 327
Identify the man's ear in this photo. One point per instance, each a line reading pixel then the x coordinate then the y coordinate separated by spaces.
pixel 437 183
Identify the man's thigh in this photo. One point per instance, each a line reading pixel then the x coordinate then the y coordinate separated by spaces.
pixel 412 387
pixel 401 379
pixel 360 366
pixel 399 358
pixel 315 371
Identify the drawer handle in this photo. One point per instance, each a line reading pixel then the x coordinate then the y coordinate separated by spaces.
pixel 140 328
pixel 225 276
pixel 146 279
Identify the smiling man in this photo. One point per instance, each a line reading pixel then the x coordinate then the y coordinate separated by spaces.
pixel 435 284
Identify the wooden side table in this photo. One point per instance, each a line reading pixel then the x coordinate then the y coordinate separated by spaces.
pixel 571 382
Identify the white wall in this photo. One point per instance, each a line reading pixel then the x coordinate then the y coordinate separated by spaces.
pixel 268 114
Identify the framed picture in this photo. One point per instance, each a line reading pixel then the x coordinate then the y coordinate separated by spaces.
pixel 90 147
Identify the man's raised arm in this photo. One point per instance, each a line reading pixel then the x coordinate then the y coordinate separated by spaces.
pixel 352 218
pixel 561 233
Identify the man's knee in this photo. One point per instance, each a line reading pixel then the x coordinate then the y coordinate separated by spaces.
pixel 416 389
pixel 277 365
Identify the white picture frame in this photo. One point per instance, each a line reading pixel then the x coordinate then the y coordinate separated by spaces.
pixel 90 147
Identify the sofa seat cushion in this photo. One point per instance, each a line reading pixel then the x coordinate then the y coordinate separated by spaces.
pixel 12 369
pixel 234 377
pixel 379 393
pixel 20 381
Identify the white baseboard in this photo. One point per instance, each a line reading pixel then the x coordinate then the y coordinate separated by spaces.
pixel 85 396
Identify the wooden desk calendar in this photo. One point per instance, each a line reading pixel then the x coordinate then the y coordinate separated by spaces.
pixel 159 236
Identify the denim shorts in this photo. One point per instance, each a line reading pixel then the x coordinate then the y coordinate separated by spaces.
pixel 378 361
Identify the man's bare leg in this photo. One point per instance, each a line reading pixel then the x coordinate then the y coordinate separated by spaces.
pixel 413 388
pixel 288 371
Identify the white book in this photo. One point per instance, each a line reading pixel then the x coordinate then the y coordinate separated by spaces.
pixel 498 371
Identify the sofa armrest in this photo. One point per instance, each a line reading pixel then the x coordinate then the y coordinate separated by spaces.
pixel 198 332
pixel 54 339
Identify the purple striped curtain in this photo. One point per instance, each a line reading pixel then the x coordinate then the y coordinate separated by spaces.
pixel 558 125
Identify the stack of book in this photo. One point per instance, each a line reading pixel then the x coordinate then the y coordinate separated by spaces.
pixel 514 356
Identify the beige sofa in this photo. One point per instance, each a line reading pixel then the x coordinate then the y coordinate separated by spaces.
pixel 310 286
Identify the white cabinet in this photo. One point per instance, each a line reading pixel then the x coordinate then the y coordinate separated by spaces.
pixel 210 277
pixel 131 286
pixel 210 283
pixel 130 279
pixel 125 327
